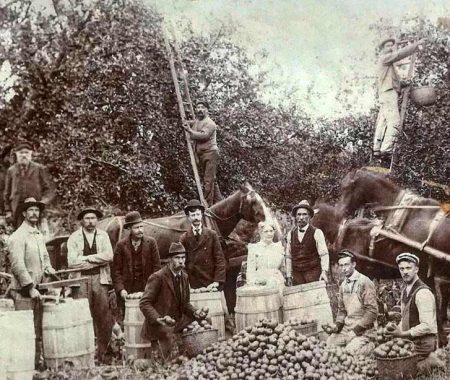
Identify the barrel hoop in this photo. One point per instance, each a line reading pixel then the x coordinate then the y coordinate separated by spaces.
pixel 307 307
pixel 137 345
pixel 66 326
pixel 254 313
pixel 69 355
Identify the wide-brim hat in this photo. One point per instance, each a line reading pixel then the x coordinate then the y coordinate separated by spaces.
pixel 176 249
pixel 23 145
pixel 131 218
pixel 406 256
pixel 193 204
pixel 303 204
pixel 88 210
pixel 30 202
pixel 386 40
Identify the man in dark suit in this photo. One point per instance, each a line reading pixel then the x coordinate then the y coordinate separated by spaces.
pixel 166 302
pixel 205 260
pixel 136 257
pixel 25 179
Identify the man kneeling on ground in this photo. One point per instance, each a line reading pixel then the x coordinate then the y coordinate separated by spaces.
pixel 166 302
pixel 357 309
pixel 418 308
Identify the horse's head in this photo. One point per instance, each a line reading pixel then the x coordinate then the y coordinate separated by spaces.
pixel 353 193
pixel 252 207
pixel 327 218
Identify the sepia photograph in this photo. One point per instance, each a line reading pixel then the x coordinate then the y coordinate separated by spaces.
pixel 224 189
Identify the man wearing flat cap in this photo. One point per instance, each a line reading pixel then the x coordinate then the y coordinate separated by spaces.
pixel 307 257
pixel 136 257
pixel 357 309
pixel 203 136
pixel 30 263
pixel 388 84
pixel 89 250
pixel 166 302
pixel 205 260
pixel 418 307
pixel 25 179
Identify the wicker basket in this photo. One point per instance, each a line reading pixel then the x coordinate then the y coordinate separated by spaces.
pixel 306 329
pixel 195 342
pixel 423 96
pixel 397 368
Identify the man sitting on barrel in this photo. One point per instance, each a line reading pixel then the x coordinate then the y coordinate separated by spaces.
pixel 136 257
pixel 418 308
pixel 29 263
pixel 307 257
pixel 166 302
pixel 357 309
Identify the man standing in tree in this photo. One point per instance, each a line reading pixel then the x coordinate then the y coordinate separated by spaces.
pixel 25 179
pixel 388 120
pixel 89 250
pixel 136 257
pixel 203 136
pixel 307 257
pixel 29 264
pixel 418 307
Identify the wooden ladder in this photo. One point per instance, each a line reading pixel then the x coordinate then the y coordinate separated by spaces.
pixel 186 108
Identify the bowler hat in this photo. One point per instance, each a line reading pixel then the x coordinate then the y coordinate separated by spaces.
pixel 23 145
pixel 406 256
pixel 30 202
pixel 303 204
pixel 204 102
pixel 88 210
pixel 193 204
pixel 385 41
pixel 176 249
pixel 131 218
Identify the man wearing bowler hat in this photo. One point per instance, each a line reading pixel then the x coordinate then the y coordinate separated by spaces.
pixel 25 179
pixel 388 84
pixel 136 257
pixel 89 250
pixel 166 302
pixel 205 260
pixel 307 257
pixel 30 263
pixel 203 136
pixel 418 306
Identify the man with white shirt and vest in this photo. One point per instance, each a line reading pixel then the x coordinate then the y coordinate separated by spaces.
pixel 307 257
pixel 89 250
pixel 203 136
pixel 205 262
pixel 357 309
pixel 30 263
pixel 418 307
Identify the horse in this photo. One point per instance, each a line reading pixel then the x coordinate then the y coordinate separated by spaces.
pixel 244 204
pixel 374 260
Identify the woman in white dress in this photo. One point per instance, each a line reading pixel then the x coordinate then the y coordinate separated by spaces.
pixel 265 260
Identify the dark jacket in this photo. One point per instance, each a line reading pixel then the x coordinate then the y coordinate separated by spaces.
pixel 36 183
pixel 122 273
pixel 159 300
pixel 205 262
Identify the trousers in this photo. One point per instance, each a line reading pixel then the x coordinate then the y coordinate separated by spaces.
pixel 208 163
pixel 388 122
pixel 305 277
pixel 97 295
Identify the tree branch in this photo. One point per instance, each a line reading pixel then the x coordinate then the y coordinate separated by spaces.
pixel 108 164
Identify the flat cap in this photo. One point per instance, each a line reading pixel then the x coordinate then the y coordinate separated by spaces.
pixel 346 253
pixel 406 256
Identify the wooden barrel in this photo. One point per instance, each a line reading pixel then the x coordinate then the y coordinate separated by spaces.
pixel 133 321
pixel 68 333
pixel 256 303
pixel 215 302
pixel 308 301
pixel 17 348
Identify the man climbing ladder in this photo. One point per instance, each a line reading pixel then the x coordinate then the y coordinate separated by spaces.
pixel 203 136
